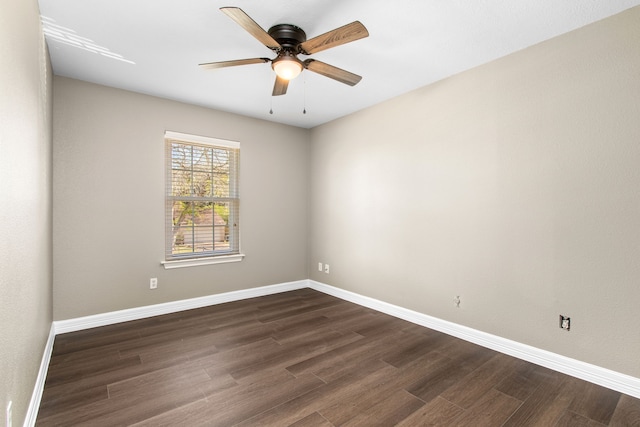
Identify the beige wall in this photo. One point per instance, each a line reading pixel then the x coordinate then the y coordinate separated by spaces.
pixel 25 203
pixel 109 200
pixel 515 185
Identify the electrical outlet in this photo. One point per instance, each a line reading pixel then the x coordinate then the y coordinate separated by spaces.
pixel 565 322
pixel 326 268
pixel 456 301
pixel 153 283
pixel 319 266
pixel 9 414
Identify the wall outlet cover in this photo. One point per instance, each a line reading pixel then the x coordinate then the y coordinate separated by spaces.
pixel 565 322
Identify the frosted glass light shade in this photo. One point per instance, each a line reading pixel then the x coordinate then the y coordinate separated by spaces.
pixel 287 68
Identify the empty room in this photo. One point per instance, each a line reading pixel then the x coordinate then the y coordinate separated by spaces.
pixel 320 214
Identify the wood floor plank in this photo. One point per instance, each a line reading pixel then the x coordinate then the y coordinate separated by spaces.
pixel 361 348
pixel 467 355
pixel 315 344
pixel 291 312
pixel 389 411
pixel 418 346
pixel 438 412
pixel 594 402
pixel 326 395
pixel 123 410
pixel 304 358
pixel 240 336
pixel 336 371
pixel 222 408
pixel 466 392
pixel 78 341
pixel 546 404
pixel 192 347
pixel 571 419
pixel 105 378
pixel 90 368
pixel 288 331
pixel 521 383
pixel 382 347
pixel 245 401
pixel 159 341
pixel 383 324
pixel 356 320
pixel 241 357
pixel 492 409
pixel 172 379
pixel 220 382
pixel 175 417
pixel 70 401
pixel 377 387
pixel 443 373
pixel 86 354
pixel 360 396
pixel 312 420
pixel 627 412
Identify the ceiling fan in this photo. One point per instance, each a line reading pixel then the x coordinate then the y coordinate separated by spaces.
pixel 288 41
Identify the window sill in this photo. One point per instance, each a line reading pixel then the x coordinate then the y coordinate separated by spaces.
pixel 194 262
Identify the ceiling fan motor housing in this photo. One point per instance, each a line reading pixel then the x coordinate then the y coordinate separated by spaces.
pixel 289 36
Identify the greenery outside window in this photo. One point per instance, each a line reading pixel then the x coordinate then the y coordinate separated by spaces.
pixel 202 200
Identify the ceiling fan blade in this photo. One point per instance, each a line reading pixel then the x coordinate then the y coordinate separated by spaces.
pixel 342 35
pixel 233 63
pixel 251 27
pixel 332 72
pixel 280 87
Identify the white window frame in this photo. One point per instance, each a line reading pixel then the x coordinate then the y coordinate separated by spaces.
pixel 234 254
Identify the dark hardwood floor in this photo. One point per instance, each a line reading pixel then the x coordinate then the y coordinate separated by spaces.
pixel 304 358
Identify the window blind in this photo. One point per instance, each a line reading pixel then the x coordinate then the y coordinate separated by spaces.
pixel 202 197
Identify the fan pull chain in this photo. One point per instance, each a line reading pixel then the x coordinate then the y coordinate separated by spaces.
pixel 304 91
pixel 271 107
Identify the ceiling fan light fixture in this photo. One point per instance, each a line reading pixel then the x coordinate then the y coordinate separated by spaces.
pixel 288 41
pixel 287 67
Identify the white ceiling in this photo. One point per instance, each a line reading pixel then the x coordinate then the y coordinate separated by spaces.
pixel 155 46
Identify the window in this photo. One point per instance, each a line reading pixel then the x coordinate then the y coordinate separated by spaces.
pixel 202 200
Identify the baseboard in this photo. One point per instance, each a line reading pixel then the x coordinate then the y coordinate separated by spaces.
pixel 93 321
pixel 607 378
pixel 36 396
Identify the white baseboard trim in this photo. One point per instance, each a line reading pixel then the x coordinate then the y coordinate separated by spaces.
pixel 607 378
pixel 93 321
pixel 36 396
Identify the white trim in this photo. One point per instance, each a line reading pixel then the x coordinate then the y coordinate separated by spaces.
pixel 193 262
pixel 93 321
pixel 198 139
pixel 607 378
pixel 38 389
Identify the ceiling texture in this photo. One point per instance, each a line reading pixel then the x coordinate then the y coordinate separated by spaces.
pixel 154 47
